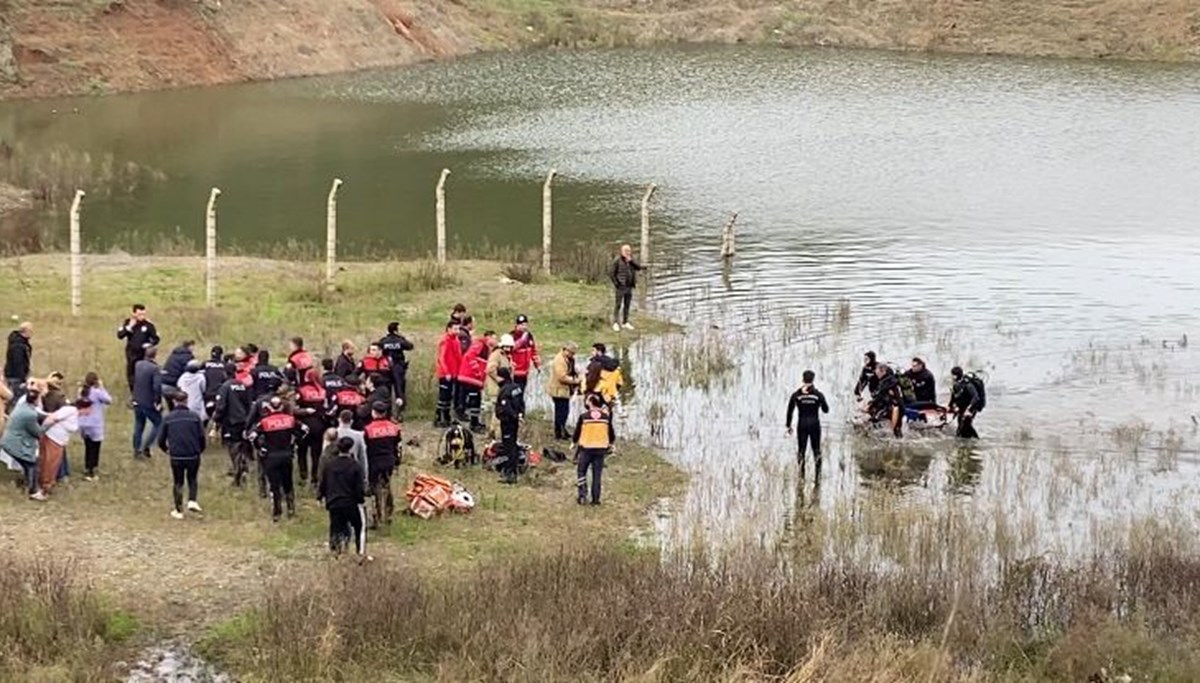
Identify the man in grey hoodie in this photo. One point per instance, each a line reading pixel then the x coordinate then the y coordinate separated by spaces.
pixel 193 384
pixel 359 452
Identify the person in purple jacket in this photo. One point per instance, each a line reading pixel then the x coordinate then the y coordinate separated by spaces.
pixel 91 425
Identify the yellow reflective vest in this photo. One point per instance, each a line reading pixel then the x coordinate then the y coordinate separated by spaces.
pixel 595 431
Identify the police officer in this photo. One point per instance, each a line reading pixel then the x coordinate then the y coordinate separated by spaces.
pixel 382 437
pixel 231 414
pixel 299 362
pixel 393 346
pixel 594 438
pixel 265 378
pixel 964 403
pixel 215 375
pixel 332 381
pixel 276 436
pixel 510 411
pixel 348 398
pixel 809 403
pixel 139 334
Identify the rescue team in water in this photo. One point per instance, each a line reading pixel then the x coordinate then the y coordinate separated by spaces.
pixel 335 424
pixel 893 400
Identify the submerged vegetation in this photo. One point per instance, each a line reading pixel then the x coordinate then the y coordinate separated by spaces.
pixel 53 174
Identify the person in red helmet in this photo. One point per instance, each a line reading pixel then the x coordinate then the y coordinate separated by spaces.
pixel 525 353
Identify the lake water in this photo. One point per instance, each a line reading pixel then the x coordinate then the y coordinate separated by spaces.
pixel 1036 219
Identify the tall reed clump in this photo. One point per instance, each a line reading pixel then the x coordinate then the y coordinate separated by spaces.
pixel 606 614
pixel 54 628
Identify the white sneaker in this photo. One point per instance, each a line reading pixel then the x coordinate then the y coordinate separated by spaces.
pixel 39 496
pixel 193 506
pixel 176 514
pixel 628 327
pixel 616 327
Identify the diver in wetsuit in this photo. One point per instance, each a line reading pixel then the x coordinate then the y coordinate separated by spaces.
pixel 964 403
pixel 924 385
pixel 809 403
pixel 867 379
pixel 887 402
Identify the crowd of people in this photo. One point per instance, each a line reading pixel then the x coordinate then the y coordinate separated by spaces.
pixel 892 399
pixel 332 424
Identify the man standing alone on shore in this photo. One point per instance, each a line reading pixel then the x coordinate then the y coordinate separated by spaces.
pixel 139 334
pixel 17 359
pixel 623 274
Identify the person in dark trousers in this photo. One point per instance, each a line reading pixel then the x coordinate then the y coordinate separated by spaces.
pixel 350 399
pixel 382 437
pixel 265 379
pixel 91 425
pixel 231 414
pixel 332 381
pixel 594 438
pixel 449 361
pixel 299 362
pixel 345 364
pixel 887 403
pixel 182 439
pixel 393 346
pixel 147 402
pixel 867 379
pixel 525 352
pixel 964 403
pixel 924 384
pixel 139 334
pixel 564 383
pixel 809 403
pixel 466 333
pixel 375 363
pixel 177 363
pixel 18 360
pixel 215 374
pixel 276 436
pixel 623 275
pixel 510 411
pixel 311 408
pixel 341 489
pixel 472 375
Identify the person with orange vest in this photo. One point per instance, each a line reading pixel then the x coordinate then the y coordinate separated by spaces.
pixel 349 397
pixel 311 403
pixel 276 436
pixel 449 362
pixel 594 438
pixel 299 362
pixel 525 354
pixel 382 437
pixel 472 375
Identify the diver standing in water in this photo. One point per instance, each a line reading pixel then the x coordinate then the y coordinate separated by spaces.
pixel 965 402
pixel 887 400
pixel 809 403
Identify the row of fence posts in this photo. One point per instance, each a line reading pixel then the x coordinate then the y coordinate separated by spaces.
pixel 210 236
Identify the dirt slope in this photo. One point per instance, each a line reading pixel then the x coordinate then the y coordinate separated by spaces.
pixel 50 47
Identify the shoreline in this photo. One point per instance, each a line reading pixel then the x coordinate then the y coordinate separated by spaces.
pixel 47 54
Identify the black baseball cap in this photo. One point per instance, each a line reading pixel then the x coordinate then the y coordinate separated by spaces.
pixel 522 319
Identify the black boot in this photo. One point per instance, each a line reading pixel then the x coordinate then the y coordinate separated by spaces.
pixel 291 504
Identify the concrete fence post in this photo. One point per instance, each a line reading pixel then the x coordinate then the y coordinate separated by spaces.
pixel 547 220
pixel 646 223
pixel 727 246
pixel 441 217
pixel 331 235
pixel 76 256
pixel 210 249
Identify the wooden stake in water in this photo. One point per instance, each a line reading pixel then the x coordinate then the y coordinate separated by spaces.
pixel 547 220
pixel 646 223
pixel 441 217
pixel 727 248
pixel 331 235
pixel 76 256
pixel 210 249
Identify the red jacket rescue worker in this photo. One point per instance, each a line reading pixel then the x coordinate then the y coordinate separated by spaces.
pixel 382 437
pixel 525 353
pixel 449 362
pixel 276 436
pixel 472 375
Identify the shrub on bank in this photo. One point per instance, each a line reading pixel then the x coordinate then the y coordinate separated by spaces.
pixel 611 614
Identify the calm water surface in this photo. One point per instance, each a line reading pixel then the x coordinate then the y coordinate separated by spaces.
pixel 1039 220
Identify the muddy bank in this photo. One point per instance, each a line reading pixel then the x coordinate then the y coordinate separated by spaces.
pixel 80 47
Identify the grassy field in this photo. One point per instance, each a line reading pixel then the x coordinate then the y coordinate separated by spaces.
pixel 185 576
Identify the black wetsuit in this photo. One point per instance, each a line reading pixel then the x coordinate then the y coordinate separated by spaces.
pixel 867 380
pixel 809 403
pixel 964 402
pixel 924 386
pixel 887 398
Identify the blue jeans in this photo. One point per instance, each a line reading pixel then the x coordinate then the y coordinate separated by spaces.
pixel 140 416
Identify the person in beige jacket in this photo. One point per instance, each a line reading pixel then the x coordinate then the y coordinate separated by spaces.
pixel 564 383
pixel 501 357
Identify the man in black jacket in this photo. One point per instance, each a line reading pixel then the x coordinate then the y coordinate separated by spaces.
pixel 924 384
pixel 394 345
pixel 139 334
pixel 510 411
pixel 18 359
pixel 809 403
pixel 867 378
pixel 177 362
pixel 265 378
pixel 888 400
pixel 215 374
pixel 231 414
pixel 341 488
pixel 182 439
pixel 147 399
pixel 623 275
pixel 964 403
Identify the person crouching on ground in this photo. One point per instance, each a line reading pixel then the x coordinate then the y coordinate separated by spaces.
pixel 594 439
pixel 341 489
pixel 182 439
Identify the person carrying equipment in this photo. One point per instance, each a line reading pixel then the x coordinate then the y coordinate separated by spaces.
pixel 594 438
pixel 887 402
pixel 924 384
pixel 276 436
pixel 966 400
pixel 809 403
pixel 382 437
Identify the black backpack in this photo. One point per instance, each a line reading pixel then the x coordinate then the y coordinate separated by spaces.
pixel 980 388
